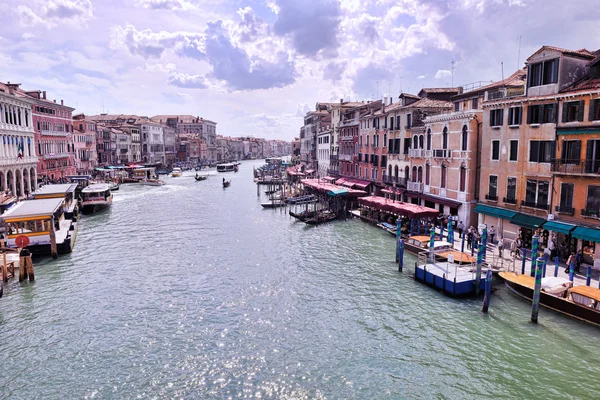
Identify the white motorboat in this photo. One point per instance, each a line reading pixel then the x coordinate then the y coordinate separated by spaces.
pixel 96 197
pixel 177 172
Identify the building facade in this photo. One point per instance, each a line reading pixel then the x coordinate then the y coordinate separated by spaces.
pixel 84 138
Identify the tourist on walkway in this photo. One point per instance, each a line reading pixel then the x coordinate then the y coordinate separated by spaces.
pixel 469 238
pixel 570 260
pixel 460 229
pixel 500 246
pixel 492 233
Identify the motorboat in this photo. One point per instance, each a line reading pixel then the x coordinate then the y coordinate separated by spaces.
pixel 558 294
pixel 226 167
pixel 389 228
pixel 201 177
pixel 96 197
pixel 177 172
pixel 152 182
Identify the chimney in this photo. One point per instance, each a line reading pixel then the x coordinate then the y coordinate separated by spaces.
pixel 62 103
pixel 341 101
pixel 55 100
pixel 44 92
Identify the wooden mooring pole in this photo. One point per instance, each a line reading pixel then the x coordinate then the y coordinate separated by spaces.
pixel 488 291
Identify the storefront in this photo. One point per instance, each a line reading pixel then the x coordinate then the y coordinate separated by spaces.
pixel 528 226
pixel 590 244
pixel 499 218
pixel 561 233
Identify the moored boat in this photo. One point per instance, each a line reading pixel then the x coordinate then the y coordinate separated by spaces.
pixel 273 204
pixel 96 197
pixel 389 228
pixel 43 223
pixel 558 294
pixel 66 191
pixel 152 182
pixel 201 177
pixel 321 217
pixel 302 216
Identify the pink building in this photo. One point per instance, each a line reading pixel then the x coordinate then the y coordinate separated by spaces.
pixel 84 140
pixel 53 126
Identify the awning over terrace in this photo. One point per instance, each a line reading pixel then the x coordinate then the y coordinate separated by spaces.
pixel 331 189
pixel 396 207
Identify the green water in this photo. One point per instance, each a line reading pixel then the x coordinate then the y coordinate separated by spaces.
pixel 193 291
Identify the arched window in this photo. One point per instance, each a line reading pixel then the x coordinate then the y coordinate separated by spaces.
pixel 390 170
pixel 414 174
pixel 427 173
pixel 428 139
pixel 421 142
pixel 420 174
pixel 465 137
pixel 443 177
pixel 415 142
pixel 445 138
pixel 396 171
pixel 463 178
pixel 407 173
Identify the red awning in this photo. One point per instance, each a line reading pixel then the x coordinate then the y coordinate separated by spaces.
pixel 309 171
pixel 361 184
pixel 326 187
pixel 398 207
pixel 329 178
pixel 293 172
pixel 341 181
pixel 441 200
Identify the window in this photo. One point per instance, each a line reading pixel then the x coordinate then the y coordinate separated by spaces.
pixel 572 111
pixel 415 142
pixel 514 115
pixel 443 177
pixel 427 173
pixel 541 114
pixel 367 144
pixel 536 194
pixel 398 122
pixel 566 198
pixel 541 151
pixel 592 156
pixel 408 121
pixel 595 110
pixel 492 188
pixel 391 123
pixel 570 152
pixel 463 178
pixel 421 141
pixel 475 103
pixel 543 73
pixel 428 139
pixel 406 145
pixel 511 190
pixel 457 106
pixel 495 150
pixel 592 207
pixel 465 138
pixel 496 117
pixel 514 150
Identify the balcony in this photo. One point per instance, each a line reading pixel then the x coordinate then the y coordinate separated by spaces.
pixel 508 200
pixel 442 153
pixel 13 161
pixel 540 206
pixel 54 156
pixel 54 133
pixel 346 157
pixel 491 197
pixel 562 209
pixel 415 187
pixel 416 153
pixel 333 158
pixel 394 180
pixel 575 166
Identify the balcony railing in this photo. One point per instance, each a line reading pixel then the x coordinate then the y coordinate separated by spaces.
pixel 590 212
pixel 442 153
pixel 54 133
pixel 416 152
pixel 394 179
pixel 491 197
pixel 509 200
pixel 541 206
pixel 415 186
pixel 564 209
pixel 569 166
pixel 54 156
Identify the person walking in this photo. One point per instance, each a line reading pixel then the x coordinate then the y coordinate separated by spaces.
pixel 570 260
pixel 469 238
pixel 500 246
pixel 460 229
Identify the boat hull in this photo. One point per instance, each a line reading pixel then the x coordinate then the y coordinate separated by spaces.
pixel 555 303
pixel 91 208
pixel 450 287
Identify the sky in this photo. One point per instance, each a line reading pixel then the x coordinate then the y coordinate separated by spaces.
pixel 256 67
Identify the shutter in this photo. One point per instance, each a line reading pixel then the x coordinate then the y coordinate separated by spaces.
pixel 529 108
pixel 520 115
pixel 591 112
pixel 589 156
pixel 576 154
pixel 534 147
pixel 511 112
pixel 501 116
pixel 390 146
pixel 580 110
pixel 555 71
pixel 564 112
pixel 492 114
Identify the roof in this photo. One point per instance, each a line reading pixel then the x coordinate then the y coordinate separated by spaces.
pixel 439 90
pixel 96 187
pixel 517 79
pixel 584 53
pixel 183 118
pixel 587 83
pixel 430 103
pixel 31 208
pixel 55 189
pixel 409 96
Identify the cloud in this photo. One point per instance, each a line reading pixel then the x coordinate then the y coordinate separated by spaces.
pixel 442 74
pixel 334 70
pixel 27 35
pixel 187 81
pixel 240 72
pixel 421 77
pixel 311 26
pixel 149 44
pixel 51 13
pixel 251 26
pixel 301 110
pixel 159 4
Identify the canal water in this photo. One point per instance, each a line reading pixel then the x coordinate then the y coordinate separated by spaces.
pixel 194 291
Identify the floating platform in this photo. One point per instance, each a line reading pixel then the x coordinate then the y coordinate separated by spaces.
pixel 452 279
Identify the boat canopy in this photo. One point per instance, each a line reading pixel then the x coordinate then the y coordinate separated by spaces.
pixel 59 189
pixel 33 208
pixel 96 188
pixel 407 209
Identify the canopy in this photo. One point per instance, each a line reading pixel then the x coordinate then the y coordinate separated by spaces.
pixel 351 183
pixel 390 190
pixel 293 172
pixel 527 221
pixel 581 232
pixel 331 189
pixel 559 227
pixel 494 211
pixel 407 209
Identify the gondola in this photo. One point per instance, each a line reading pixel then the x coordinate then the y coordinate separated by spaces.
pixel 302 216
pixel 226 184
pixel 274 204
pixel 321 217
pixel 201 177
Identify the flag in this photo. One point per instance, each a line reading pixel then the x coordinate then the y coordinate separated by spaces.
pixel 20 148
